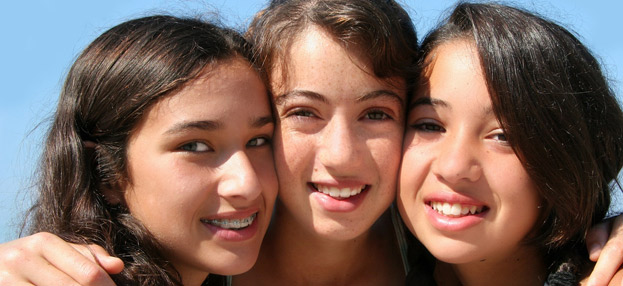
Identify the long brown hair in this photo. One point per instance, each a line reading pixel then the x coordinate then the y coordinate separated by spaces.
pixel 107 91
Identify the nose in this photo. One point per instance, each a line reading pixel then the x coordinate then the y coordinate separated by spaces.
pixel 340 145
pixel 458 159
pixel 239 180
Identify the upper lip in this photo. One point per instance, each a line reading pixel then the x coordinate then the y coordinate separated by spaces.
pixel 340 184
pixel 453 198
pixel 237 214
pixel 323 187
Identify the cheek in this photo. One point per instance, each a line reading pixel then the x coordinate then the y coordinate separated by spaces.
pixel 413 172
pixel 386 153
pixel 410 179
pixel 170 190
pixel 414 168
pixel 155 214
pixel 293 151
pixel 407 191
pixel 519 195
pixel 265 169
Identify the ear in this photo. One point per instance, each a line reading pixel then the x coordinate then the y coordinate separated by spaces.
pixel 113 194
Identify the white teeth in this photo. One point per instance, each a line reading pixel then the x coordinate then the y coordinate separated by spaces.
pixel 339 193
pixel 345 193
pixel 455 209
pixel 231 223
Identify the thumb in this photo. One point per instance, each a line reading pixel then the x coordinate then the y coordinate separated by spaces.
pixel 111 264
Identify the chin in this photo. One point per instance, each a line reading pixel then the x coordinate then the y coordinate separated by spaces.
pixel 337 231
pixel 455 252
pixel 454 258
pixel 237 264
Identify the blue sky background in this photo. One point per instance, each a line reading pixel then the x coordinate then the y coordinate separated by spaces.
pixel 41 38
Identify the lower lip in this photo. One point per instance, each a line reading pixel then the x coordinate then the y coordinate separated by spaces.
pixel 235 235
pixel 446 223
pixel 332 204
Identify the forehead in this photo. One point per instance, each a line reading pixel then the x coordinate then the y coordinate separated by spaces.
pixel 316 59
pixel 220 91
pixel 453 55
pixel 453 74
pixel 452 65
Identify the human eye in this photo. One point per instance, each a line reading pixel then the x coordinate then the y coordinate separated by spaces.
pixel 377 115
pixel 500 137
pixel 258 141
pixel 300 112
pixel 427 126
pixel 195 146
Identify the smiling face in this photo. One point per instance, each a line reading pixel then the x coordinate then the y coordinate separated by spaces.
pixel 463 191
pixel 201 173
pixel 338 140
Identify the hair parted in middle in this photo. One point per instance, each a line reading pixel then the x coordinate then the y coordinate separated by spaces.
pixel 379 31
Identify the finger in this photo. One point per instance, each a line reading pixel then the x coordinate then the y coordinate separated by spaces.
pixel 597 238
pixel 22 265
pixel 611 256
pixel 110 264
pixel 13 283
pixel 64 257
pixel 46 275
pixel 7 278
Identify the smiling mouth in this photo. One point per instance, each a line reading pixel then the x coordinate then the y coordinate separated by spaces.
pixel 339 193
pixel 233 224
pixel 456 210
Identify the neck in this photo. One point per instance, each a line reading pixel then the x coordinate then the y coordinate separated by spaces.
pixel 190 277
pixel 525 267
pixel 291 255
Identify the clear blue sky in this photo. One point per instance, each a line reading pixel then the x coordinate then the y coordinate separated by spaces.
pixel 41 38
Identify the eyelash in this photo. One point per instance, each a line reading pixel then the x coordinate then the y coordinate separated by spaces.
pixel 383 114
pixel 300 112
pixel 502 135
pixel 496 137
pixel 265 139
pixel 193 146
pixel 428 127
pixel 368 115
pixel 185 146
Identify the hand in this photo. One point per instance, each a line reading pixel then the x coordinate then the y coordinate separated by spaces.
pixel 46 259
pixel 605 246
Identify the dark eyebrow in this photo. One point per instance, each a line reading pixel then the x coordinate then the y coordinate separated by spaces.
pixel 281 99
pixel 382 93
pixel 428 101
pixel 316 96
pixel 207 125
pixel 261 121
pixel 210 125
